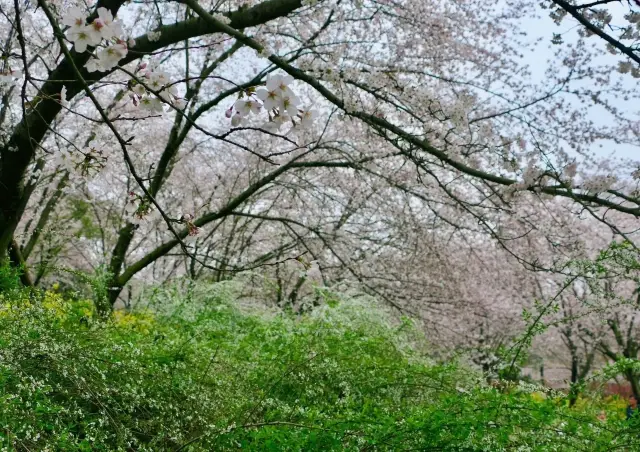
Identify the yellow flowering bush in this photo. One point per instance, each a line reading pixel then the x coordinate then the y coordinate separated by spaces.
pixel 142 321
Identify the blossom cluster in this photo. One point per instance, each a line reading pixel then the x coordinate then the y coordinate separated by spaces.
pixel 138 208
pixel 87 162
pixel 104 27
pixel 157 81
pixel 599 183
pixel 192 229
pixel 280 102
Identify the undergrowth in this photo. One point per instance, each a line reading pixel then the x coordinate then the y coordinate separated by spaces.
pixel 195 373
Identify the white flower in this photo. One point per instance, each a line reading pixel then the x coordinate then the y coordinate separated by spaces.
pixel 105 16
pixel 82 37
pixel 244 107
pixel 599 183
pixel 308 117
pixel 116 29
pixel 290 104
pixel 64 160
pixel 270 99
pixel 173 90
pixel 95 30
pixel 131 42
pixel 279 83
pixel 93 65
pixel 166 96
pixel 75 17
pixel 139 89
pixel 151 104
pixel 180 104
pixel 277 122
pixel 108 58
pixel 282 119
pixel 63 97
pixel 106 25
pixel 157 80
pixel 154 36
pixel 236 120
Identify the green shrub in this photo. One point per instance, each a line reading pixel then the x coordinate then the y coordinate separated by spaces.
pixel 205 376
pixel 9 277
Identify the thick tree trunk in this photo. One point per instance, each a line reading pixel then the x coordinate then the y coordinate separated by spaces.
pixel 20 149
pixel 632 378
pixel 573 389
pixel 17 260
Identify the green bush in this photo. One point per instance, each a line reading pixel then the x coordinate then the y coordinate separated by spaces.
pixel 9 277
pixel 205 376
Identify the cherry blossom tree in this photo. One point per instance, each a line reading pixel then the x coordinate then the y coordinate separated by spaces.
pixel 403 148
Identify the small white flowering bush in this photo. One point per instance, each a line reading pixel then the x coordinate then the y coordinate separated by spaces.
pixel 202 376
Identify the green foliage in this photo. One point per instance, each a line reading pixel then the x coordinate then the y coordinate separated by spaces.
pixel 9 277
pixel 206 376
pixel 94 285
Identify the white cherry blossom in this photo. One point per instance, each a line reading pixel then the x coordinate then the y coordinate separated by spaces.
pixel 277 122
pixel 107 58
pixel 269 98
pixel 82 37
pixel 93 65
pixel 179 103
pixel 244 107
pixel 152 104
pixel 157 80
pixel 139 89
pixel 74 17
pixel 280 84
pixel 289 103
pixel 236 120
pixel 108 27
pixel 111 55
pixel 307 118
